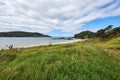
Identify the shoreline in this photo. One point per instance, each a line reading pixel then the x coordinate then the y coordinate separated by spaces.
pixel 30 46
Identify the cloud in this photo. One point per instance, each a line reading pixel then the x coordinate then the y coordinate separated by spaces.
pixel 48 15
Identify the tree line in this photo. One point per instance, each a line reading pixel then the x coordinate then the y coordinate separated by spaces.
pixel 103 34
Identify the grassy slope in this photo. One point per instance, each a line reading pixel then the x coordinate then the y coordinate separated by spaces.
pixel 112 46
pixel 78 61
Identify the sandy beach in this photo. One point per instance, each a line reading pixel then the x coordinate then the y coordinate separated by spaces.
pixel 29 46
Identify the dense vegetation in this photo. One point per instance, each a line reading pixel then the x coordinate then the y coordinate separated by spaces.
pixel 103 34
pixel 85 34
pixel 21 34
pixel 89 60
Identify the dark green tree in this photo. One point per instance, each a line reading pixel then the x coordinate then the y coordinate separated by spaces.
pixel 108 28
pixel 101 34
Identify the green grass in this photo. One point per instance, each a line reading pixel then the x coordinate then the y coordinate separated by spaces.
pixel 77 61
pixel 112 46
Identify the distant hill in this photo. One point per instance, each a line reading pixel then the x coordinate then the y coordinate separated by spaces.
pixel 21 34
pixel 85 34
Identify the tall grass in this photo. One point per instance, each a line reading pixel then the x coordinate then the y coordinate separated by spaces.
pixel 78 61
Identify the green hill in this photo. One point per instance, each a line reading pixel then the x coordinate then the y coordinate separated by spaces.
pixel 104 34
pixel 21 34
pixel 85 34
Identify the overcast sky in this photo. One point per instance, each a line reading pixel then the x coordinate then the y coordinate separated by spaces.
pixel 58 17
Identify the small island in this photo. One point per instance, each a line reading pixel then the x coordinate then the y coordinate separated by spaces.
pixel 22 34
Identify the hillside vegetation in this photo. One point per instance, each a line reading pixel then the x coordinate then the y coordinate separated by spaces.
pixel 89 60
pixel 103 34
pixel 21 34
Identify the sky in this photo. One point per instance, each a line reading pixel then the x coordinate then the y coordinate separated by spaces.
pixel 58 17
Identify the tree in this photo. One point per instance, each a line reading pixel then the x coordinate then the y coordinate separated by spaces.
pixel 101 34
pixel 108 28
pixel 115 32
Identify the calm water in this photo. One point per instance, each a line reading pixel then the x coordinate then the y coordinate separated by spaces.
pixel 28 41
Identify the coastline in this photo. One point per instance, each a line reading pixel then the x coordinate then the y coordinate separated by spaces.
pixel 30 46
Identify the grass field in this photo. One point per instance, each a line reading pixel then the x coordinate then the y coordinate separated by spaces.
pixel 89 60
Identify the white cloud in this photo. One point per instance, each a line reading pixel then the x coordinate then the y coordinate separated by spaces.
pixel 47 15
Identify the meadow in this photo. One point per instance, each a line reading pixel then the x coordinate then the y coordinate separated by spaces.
pixel 88 60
